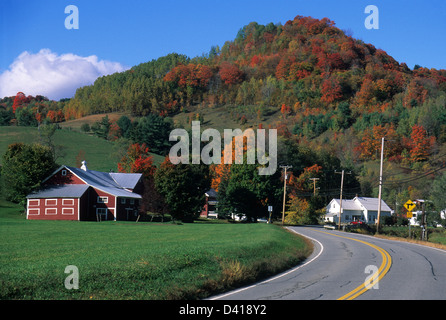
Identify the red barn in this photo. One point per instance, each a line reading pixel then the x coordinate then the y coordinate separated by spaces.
pixel 81 194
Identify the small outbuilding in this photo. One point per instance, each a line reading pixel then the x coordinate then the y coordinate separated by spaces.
pixel 210 207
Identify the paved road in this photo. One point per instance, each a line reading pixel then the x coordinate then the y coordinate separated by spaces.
pixel 351 266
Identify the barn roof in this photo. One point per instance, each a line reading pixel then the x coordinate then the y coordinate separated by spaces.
pixel 60 191
pixel 117 184
pixel 126 180
pixel 113 183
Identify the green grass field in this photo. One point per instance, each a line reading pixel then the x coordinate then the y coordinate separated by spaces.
pixel 128 260
pixel 100 154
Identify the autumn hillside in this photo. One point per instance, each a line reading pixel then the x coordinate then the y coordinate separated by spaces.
pixel 325 92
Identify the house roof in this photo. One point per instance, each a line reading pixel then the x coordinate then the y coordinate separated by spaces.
pixel 347 204
pixel 371 204
pixel 60 191
pixel 360 203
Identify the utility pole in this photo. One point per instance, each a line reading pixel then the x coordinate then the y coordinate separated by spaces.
pixel 340 204
pixel 284 190
pixel 314 185
pixel 380 184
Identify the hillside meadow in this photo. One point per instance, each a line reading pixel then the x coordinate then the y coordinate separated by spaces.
pixel 128 260
pixel 74 146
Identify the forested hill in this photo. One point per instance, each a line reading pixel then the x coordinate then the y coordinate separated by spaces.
pixel 318 76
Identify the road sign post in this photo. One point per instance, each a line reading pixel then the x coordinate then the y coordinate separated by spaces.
pixel 409 205
pixel 270 210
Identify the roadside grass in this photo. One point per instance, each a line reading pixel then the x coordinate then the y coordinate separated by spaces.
pixel 436 236
pixel 128 260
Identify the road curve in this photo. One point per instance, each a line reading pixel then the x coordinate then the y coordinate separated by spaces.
pixel 345 266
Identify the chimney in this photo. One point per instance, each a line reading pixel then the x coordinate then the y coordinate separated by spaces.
pixel 84 165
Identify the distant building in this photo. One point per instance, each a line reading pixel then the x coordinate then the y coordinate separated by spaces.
pixel 358 209
pixel 81 194
pixel 210 206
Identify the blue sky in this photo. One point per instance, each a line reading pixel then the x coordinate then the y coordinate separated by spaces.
pixel 116 35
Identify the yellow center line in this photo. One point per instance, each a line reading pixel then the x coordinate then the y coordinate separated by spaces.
pixel 378 275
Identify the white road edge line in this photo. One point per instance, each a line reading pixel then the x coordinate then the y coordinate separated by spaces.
pixel 280 275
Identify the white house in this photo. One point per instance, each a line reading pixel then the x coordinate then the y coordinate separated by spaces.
pixel 359 208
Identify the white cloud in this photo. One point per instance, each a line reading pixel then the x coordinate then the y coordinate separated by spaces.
pixel 54 76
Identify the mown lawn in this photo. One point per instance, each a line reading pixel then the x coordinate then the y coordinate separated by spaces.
pixel 128 260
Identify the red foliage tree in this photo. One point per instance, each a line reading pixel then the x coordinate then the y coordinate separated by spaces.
pixel 19 101
pixel 230 73
pixel 331 90
pixel 137 160
pixel 420 144
pixel 370 145
pixel 191 75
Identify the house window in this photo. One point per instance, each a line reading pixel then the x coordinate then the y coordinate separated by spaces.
pixel 102 199
pixel 347 217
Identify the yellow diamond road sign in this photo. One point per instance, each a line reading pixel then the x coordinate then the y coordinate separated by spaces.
pixel 409 205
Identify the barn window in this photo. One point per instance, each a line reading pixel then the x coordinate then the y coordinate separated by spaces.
pixel 101 212
pixel 132 201
pixel 34 202
pixel 34 211
pixel 50 202
pixel 68 202
pixel 123 200
pixel 67 210
pixel 102 199
pixel 64 172
pixel 50 211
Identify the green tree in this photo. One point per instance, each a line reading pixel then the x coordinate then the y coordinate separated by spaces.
pixel 438 192
pixel 153 130
pixel 85 127
pixel 125 124
pixel 247 192
pixel 183 187
pixel 101 128
pixel 24 168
